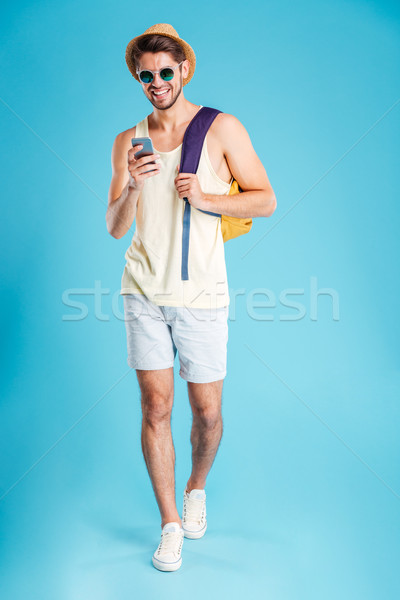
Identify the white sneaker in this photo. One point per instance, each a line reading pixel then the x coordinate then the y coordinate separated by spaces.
pixel 194 521
pixel 168 557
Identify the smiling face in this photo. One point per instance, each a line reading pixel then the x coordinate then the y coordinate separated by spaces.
pixel 163 94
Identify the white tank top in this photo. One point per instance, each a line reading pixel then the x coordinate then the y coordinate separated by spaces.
pixel 153 259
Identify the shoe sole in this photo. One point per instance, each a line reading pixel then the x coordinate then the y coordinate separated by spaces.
pixel 194 535
pixel 163 566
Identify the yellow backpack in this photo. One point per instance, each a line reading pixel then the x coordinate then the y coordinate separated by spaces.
pixel 232 227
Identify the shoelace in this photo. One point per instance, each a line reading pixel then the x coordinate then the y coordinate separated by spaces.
pixel 171 541
pixel 194 510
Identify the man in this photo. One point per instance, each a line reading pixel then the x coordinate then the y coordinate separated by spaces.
pixel 165 312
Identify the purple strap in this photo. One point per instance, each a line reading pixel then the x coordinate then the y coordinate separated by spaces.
pixel 192 145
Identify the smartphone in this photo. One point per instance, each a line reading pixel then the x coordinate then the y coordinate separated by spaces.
pixel 146 150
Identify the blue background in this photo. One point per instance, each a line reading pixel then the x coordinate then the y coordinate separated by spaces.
pixel 303 497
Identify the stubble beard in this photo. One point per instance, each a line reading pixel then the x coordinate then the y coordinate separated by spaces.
pixel 174 99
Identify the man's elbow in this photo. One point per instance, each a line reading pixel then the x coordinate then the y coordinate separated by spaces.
pixel 116 234
pixel 270 205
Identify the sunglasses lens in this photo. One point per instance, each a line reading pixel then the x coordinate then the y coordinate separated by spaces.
pixel 146 76
pixel 166 74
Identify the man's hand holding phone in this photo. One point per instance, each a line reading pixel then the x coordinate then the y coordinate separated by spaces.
pixel 139 157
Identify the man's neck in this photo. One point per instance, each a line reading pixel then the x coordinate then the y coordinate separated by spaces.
pixel 171 119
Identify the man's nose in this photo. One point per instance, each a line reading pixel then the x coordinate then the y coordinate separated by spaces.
pixel 157 79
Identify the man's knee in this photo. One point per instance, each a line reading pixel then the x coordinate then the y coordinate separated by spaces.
pixel 207 416
pixel 206 400
pixel 157 394
pixel 156 407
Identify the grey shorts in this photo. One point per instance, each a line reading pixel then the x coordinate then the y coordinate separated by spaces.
pixel 155 334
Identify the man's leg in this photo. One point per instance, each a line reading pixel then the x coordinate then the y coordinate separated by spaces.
pixel 157 398
pixel 205 400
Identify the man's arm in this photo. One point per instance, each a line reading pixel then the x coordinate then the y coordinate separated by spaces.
pixel 256 200
pixel 122 198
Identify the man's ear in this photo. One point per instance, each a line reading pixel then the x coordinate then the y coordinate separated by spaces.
pixel 186 66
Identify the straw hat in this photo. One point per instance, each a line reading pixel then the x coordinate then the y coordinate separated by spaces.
pixel 168 31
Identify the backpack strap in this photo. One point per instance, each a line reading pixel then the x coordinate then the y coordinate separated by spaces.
pixel 192 145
